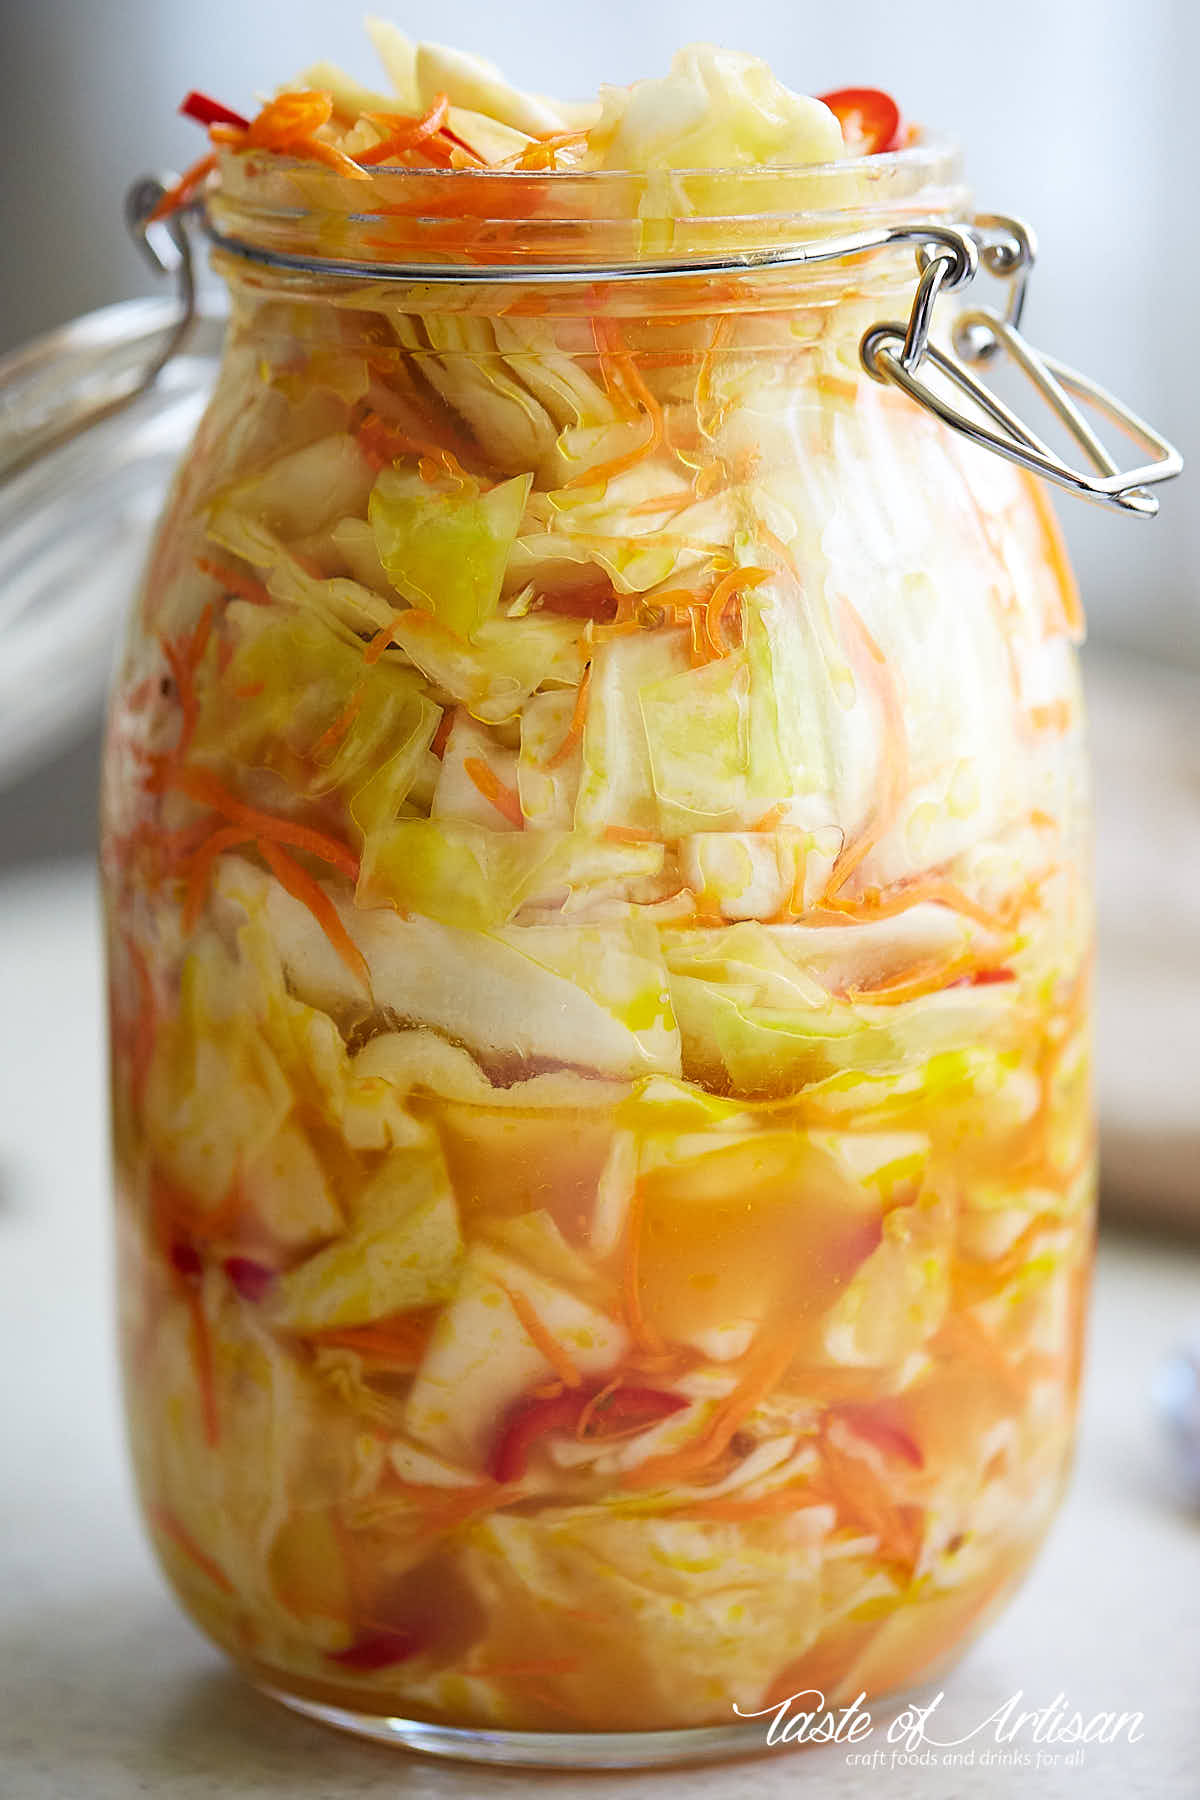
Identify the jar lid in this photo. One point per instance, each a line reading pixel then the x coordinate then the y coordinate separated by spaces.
pixel 93 420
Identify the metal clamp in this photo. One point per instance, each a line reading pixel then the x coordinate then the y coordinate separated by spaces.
pixel 141 204
pixel 897 353
pixel 948 259
pixel 39 411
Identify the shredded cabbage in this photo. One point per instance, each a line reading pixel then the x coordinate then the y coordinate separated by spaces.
pixel 594 830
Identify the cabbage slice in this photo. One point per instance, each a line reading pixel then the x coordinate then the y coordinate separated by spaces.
pixel 444 546
pixel 506 661
pixel 716 109
pixel 668 1619
pixel 402 1249
pixel 481 1357
pixel 469 876
pixel 300 701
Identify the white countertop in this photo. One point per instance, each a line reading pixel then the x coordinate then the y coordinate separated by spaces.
pixel 106 1693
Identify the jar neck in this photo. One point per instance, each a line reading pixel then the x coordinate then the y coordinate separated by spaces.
pixel 305 232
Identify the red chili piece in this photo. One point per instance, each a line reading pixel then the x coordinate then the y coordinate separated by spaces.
pixel 378 1651
pixel 535 1417
pixel 251 1279
pixel 186 1260
pixel 867 1422
pixel 207 111
pixel 869 117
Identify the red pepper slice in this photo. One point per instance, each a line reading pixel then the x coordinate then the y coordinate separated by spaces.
pixel 871 1423
pixel 869 118
pixel 185 1259
pixel 251 1279
pixel 378 1651
pixel 536 1417
pixel 207 111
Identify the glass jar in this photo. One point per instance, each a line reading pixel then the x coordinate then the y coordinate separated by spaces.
pixel 595 841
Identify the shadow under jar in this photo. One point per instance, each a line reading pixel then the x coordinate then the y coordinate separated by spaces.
pixel 595 848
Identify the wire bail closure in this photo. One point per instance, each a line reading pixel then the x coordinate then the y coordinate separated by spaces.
pixel 897 353
pixel 948 259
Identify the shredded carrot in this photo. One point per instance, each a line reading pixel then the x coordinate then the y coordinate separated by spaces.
pixel 542 1339
pixel 730 587
pixel 642 1332
pixel 886 903
pixel 202 1361
pixel 584 1421
pixel 302 887
pixel 505 799
pixel 226 837
pixel 544 153
pixel 704 372
pixel 574 731
pixel 743 1506
pixel 183 659
pixel 445 727
pixel 378 644
pixel 234 581
pixel 341 725
pixel 761 1369
pixel 928 977
pixel 403 132
pixel 629 834
pixel 181 192
pixel 872 665
pixel 1056 556
pixel 288 125
pixel 164 1521
pixel 206 790
pixel 141 1049
pixel 383 443
pixel 610 349
pixel 401 1340
pixel 1054 716
pixel 671 502
pixel 770 820
pixel 861 1493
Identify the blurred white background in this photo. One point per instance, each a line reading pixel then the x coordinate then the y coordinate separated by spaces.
pixel 1078 114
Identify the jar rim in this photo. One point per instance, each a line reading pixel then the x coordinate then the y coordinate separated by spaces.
pixel 263 202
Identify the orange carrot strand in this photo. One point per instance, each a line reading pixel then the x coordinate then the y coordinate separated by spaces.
pixel 542 1339
pixel 506 800
pixel 302 887
pixel 575 728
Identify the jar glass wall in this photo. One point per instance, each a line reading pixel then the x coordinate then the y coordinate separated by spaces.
pixel 595 846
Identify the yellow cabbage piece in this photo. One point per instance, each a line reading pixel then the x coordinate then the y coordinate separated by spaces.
pixel 716 109
pixel 402 1250
pixel 279 1439
pixel 476 879
pixel 445 546
pixel 298 700
pixel 481 1358
pixel 899 1297
pixel 306 489
pixel 669 1621
pixel 216 1095
pixel 496 672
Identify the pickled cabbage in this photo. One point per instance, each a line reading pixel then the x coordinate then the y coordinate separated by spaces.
pixel 598 945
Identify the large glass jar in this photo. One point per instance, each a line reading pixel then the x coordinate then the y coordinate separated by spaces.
pixel 596 858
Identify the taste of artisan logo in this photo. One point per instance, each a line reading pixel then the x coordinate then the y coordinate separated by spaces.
pixel 1012 1736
